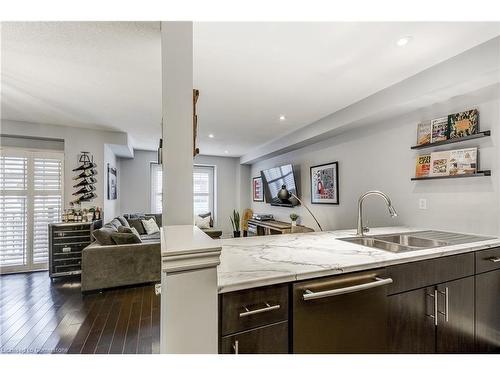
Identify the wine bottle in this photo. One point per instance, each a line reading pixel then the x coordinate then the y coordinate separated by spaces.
pixel 85 166
pixel 85 189
pixel 86 181
pixel 86 173
pixel 87 197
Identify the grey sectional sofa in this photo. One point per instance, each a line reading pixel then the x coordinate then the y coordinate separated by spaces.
pixel 108 266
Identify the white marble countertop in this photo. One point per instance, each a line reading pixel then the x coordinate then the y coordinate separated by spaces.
pixel 265 260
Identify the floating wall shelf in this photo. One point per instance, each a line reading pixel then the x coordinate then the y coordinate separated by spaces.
pixel 477 174
pixel 485 133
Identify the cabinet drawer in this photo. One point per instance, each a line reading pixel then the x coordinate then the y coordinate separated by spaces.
pixel 408 276
pixel 243 310
pixel 487 260
pixel 271 339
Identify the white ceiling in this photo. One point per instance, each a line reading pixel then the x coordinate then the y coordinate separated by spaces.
pixel 108 74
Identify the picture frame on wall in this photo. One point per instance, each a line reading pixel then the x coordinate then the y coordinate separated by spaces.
pixel 112 183
pixel 325 183
pixel 257 189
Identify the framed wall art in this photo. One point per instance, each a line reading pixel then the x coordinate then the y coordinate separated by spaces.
pixel 325 183
pixel 257 189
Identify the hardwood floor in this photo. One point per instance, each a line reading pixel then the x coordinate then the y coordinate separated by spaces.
pixel 40 316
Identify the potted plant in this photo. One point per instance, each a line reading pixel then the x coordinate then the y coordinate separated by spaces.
pixel 294 217
pixel 235 222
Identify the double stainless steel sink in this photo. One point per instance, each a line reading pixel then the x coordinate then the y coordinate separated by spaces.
pixel 404 242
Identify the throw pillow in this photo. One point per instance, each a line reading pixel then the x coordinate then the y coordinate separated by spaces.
pixel 123 221
pixel 137 224
pixel 115 222
pixel 202 222
pixel 128 230
pixel 125 238
pixel 150 226
pixel 103 235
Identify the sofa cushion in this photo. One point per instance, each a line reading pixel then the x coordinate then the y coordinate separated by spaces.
pixel 103 235
pixel 202 222
pixel 123 221
pixel 123 229
pixel 150 226
pixel 115 222
pixel 155 237
pixel 137 224
pixel 125 238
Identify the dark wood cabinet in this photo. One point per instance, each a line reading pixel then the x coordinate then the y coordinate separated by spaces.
pixel 488 312
pixel 455 326
pixel 271 339
pixel 411 326
pixel 436 318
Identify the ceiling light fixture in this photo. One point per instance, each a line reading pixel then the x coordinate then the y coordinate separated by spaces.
pixel 210 135
pixel 226 151
pixel 282 118
pixel 403 41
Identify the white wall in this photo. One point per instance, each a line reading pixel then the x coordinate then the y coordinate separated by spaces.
pixel 378 156
pixel 135 192
pixel 75 140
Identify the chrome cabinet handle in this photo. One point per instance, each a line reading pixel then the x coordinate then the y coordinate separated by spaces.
pixel 494 259
pixel 268 307
pixel 308 295
pixel 236 347
pixel 435 297
pixel 446 304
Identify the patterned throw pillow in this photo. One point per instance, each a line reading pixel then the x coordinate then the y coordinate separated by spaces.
pixel 202 222
pixel 150 226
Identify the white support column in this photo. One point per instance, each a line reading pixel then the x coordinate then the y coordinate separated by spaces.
pixel 177 103
pixel 189 308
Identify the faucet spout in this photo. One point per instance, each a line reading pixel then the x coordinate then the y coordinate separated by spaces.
pixel 392 211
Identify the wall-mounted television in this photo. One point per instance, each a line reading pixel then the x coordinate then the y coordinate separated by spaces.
pixel 273 179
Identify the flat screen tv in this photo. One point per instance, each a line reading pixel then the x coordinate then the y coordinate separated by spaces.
pixel 273 179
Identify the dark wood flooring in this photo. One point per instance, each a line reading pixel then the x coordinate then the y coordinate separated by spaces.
pixel 40 316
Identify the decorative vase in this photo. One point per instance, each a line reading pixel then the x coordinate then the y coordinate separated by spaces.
pixel 294 223
pixel 236 234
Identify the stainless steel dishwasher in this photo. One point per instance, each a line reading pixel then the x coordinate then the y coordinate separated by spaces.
pixel 341 314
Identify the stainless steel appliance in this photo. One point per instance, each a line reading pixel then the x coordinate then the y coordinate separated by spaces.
pixel 341 314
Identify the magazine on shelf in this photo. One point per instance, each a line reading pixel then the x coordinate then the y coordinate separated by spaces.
pixel 439 164
pixel 423 165
pixel 424 133
pixel 439 128
pixel 463 124
pixel 463 161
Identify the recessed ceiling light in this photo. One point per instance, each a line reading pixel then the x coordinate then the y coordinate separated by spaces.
pixel 403 41
pixel 210 135
pixel 282 118
pixel 226 151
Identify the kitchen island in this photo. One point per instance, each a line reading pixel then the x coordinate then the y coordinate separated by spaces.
pixel 317 293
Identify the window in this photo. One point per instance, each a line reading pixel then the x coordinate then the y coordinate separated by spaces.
pixel 156 188
pixel 203 189
pixel 30 198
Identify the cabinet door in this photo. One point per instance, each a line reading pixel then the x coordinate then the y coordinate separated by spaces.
pixel 271 339
pixel 455 329
pixel 488 312
pixel 411 326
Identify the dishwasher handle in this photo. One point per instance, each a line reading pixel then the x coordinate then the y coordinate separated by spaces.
pixel 309 295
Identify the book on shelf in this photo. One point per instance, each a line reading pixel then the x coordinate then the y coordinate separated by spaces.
pixel 462 124
pixel 439 164
pixel 424 133
pixel 439 129
pixel 423 165
pixel 463 161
